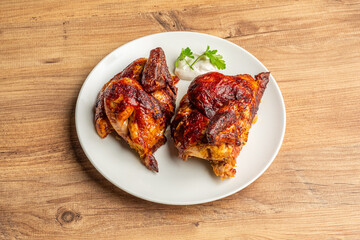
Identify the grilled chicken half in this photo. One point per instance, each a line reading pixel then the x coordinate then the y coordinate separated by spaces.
pixel 138 103
pixel 215 117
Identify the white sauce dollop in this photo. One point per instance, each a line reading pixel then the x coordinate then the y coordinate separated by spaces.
pixel 203 65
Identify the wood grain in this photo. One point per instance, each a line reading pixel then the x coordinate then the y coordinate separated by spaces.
pixel 48 188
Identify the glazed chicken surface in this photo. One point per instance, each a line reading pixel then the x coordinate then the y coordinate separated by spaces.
pixel 215 117
pixel 138 103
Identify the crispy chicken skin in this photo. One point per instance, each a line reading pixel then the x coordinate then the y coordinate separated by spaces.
pixel 138 104
pixel 215 117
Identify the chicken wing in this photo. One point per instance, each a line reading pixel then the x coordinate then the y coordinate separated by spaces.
pixel 215 117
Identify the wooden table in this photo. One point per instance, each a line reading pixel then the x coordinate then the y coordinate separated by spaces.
pixel 49 189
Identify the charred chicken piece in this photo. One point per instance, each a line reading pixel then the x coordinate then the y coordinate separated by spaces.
pixel 138 104
pixel 215 117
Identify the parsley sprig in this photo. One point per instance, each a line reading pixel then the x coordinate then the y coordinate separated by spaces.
pixel 184 53
pixel 215 59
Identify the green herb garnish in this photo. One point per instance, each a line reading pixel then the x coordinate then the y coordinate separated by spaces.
pixel 215 59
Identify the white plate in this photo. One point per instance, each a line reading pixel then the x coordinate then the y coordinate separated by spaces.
pixel 179 182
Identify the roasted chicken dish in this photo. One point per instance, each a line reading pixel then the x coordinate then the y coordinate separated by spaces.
pixel 138 104
pixel 215 116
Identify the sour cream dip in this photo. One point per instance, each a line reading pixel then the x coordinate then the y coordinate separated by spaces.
pixel 203 65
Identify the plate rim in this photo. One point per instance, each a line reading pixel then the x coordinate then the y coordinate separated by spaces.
pixel 180 203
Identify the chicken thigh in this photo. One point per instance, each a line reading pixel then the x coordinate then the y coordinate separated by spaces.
pixel 102 124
